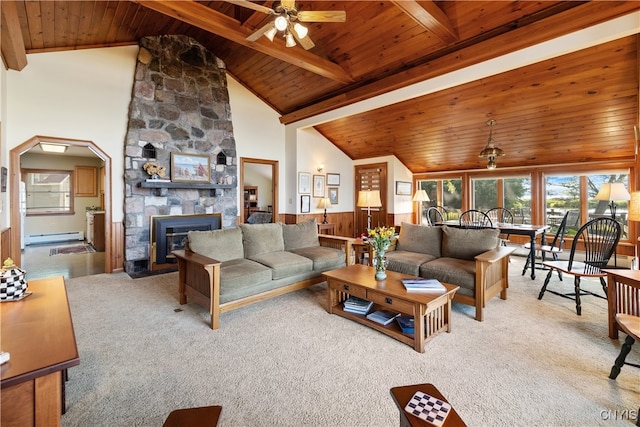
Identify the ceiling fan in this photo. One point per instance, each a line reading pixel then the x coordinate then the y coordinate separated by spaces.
pixel 286 17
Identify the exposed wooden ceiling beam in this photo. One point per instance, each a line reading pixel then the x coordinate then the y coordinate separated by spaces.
pixel 12 43
pixel 431 17
pixel 222 25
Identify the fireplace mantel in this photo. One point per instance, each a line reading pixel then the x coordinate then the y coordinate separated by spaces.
pixel 185 185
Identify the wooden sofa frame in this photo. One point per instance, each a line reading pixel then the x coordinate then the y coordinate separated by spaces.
pixel 197 272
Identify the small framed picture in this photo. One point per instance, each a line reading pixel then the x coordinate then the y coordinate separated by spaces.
pixel 403 188
pixel 190 168
pixel 305 204
pixel 318 185
pixel 304 183
pixel 333 179
pixel 333 195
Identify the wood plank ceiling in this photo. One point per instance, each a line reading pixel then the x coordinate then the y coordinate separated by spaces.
pixel 578 107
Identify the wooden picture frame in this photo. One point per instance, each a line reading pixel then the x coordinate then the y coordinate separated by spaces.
pixel 304 183
pixel 318 185
pixel 333 195
pixel 305 204
pixel 192 168
pixel 333 179
pixel 403 188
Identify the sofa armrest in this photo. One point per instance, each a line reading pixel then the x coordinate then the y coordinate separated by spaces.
pixel 338 242
pixel 198 272
pixel 492 276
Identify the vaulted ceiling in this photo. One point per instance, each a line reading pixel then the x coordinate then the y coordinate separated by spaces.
pixel 581 106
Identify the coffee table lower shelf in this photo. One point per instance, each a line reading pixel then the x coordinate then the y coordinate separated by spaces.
pixel 431 312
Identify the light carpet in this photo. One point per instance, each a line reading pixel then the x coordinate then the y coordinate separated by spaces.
pixel 287 362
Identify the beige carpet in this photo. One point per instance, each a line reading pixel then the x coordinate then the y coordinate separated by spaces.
pixel 287 362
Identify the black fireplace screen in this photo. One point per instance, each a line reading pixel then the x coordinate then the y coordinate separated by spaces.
pixel 169 233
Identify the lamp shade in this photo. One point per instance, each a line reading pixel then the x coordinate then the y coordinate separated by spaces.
pixel 369 199
pixel 324 203
pixel 634 207
pixel 612 192
pixel 420 196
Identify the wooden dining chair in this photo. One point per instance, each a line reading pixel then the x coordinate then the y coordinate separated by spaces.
pixel 596 241
pixel 474 218
pixel 630 325
pixel 501 215
pixel 435 215
pixel 554 248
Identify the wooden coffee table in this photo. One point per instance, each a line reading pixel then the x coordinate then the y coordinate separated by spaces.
pixel 431 311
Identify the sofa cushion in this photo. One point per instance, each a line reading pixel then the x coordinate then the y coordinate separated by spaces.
pixel 323 258
pixel 407 262
pixel 301 235
pixel 467 243
pixel 261 238
pixel 420 238
pixel 222 245
pixel 242 277
pixel 452 270
pixel 284 264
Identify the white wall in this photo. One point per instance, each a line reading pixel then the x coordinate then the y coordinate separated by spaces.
pixel 4 158
pixel 81 94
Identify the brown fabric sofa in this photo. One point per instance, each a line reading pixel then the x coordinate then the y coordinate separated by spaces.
pixel 230 268
pixel 470 258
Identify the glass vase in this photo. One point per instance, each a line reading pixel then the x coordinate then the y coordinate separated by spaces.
pixel 380 264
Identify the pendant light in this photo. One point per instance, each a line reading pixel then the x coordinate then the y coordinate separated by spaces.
pixel 490 151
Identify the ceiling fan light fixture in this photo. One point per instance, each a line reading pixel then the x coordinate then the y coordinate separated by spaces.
pixel 271 33
pixel 290 41
pixel 301 30
pixel 282 22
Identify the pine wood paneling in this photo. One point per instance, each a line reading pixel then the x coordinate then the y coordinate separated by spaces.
pixel 117 246
pixel 5 244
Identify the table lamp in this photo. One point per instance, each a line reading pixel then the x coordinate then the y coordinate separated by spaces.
pixel 634 215
pixel 369 199
pixel 324 203
pixel 612 191
pixel 420 196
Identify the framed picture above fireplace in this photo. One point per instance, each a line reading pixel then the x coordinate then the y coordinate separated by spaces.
pixel 190 168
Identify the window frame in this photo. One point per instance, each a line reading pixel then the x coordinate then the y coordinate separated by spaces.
pixel 25 172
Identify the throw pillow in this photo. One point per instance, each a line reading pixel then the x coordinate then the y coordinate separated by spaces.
pixel 420 238
pixel 467 243
pixel 261 238
pixel 223 245
pixel 301 235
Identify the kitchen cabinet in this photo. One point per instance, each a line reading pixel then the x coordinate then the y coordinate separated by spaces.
pixel 95 229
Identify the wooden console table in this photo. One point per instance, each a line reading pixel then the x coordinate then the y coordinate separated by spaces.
pixel 327 229
pixel 37 332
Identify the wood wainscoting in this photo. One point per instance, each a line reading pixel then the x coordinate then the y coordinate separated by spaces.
pixel 5 244
pixel 117 246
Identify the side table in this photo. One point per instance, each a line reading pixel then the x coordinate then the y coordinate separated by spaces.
pixel 402 395
pixel 361 251
pixel 327 228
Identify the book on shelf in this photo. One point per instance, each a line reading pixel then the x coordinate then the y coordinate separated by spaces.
pixel 426 285
pixel 158 180
pixel 384 317
pixel 406 323
pixel 357 305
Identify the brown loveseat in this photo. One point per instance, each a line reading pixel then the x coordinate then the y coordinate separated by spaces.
pixel 469 258
pixel 227 269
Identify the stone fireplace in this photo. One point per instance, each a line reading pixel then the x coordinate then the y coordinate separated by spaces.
pixel 179 104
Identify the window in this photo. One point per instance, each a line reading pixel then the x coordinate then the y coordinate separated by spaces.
pixel 48 192
pixel 446 193
pixel 510 193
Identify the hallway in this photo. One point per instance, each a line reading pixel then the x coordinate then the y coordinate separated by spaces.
pixel 38 263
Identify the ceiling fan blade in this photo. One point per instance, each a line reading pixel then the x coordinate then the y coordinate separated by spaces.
pixel 289 4
pixel 322 16
pixel 260 31
pixel 251 5
pixel 305 42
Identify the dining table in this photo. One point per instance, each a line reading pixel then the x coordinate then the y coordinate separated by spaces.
pixel 531 230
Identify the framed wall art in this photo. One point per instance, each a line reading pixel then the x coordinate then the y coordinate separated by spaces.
pixel 305 204
pixel 333 195
pixel 318 185
pixel 190 168
pixel 403 188
pixel 304 183
pixel 333 179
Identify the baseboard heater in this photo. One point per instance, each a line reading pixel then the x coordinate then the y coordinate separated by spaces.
pixel 34 239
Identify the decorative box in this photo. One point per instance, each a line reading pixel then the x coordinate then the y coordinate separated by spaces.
pixel 12 282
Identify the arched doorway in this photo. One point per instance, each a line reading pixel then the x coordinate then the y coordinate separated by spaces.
pixel 245 164
pixel 14 184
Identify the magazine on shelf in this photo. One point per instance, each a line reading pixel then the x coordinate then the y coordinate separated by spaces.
pixel 357 305
pixel 426 285
pixel 384 317
pixel 406 323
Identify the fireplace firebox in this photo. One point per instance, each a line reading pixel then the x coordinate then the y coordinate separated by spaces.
pixel 169 233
